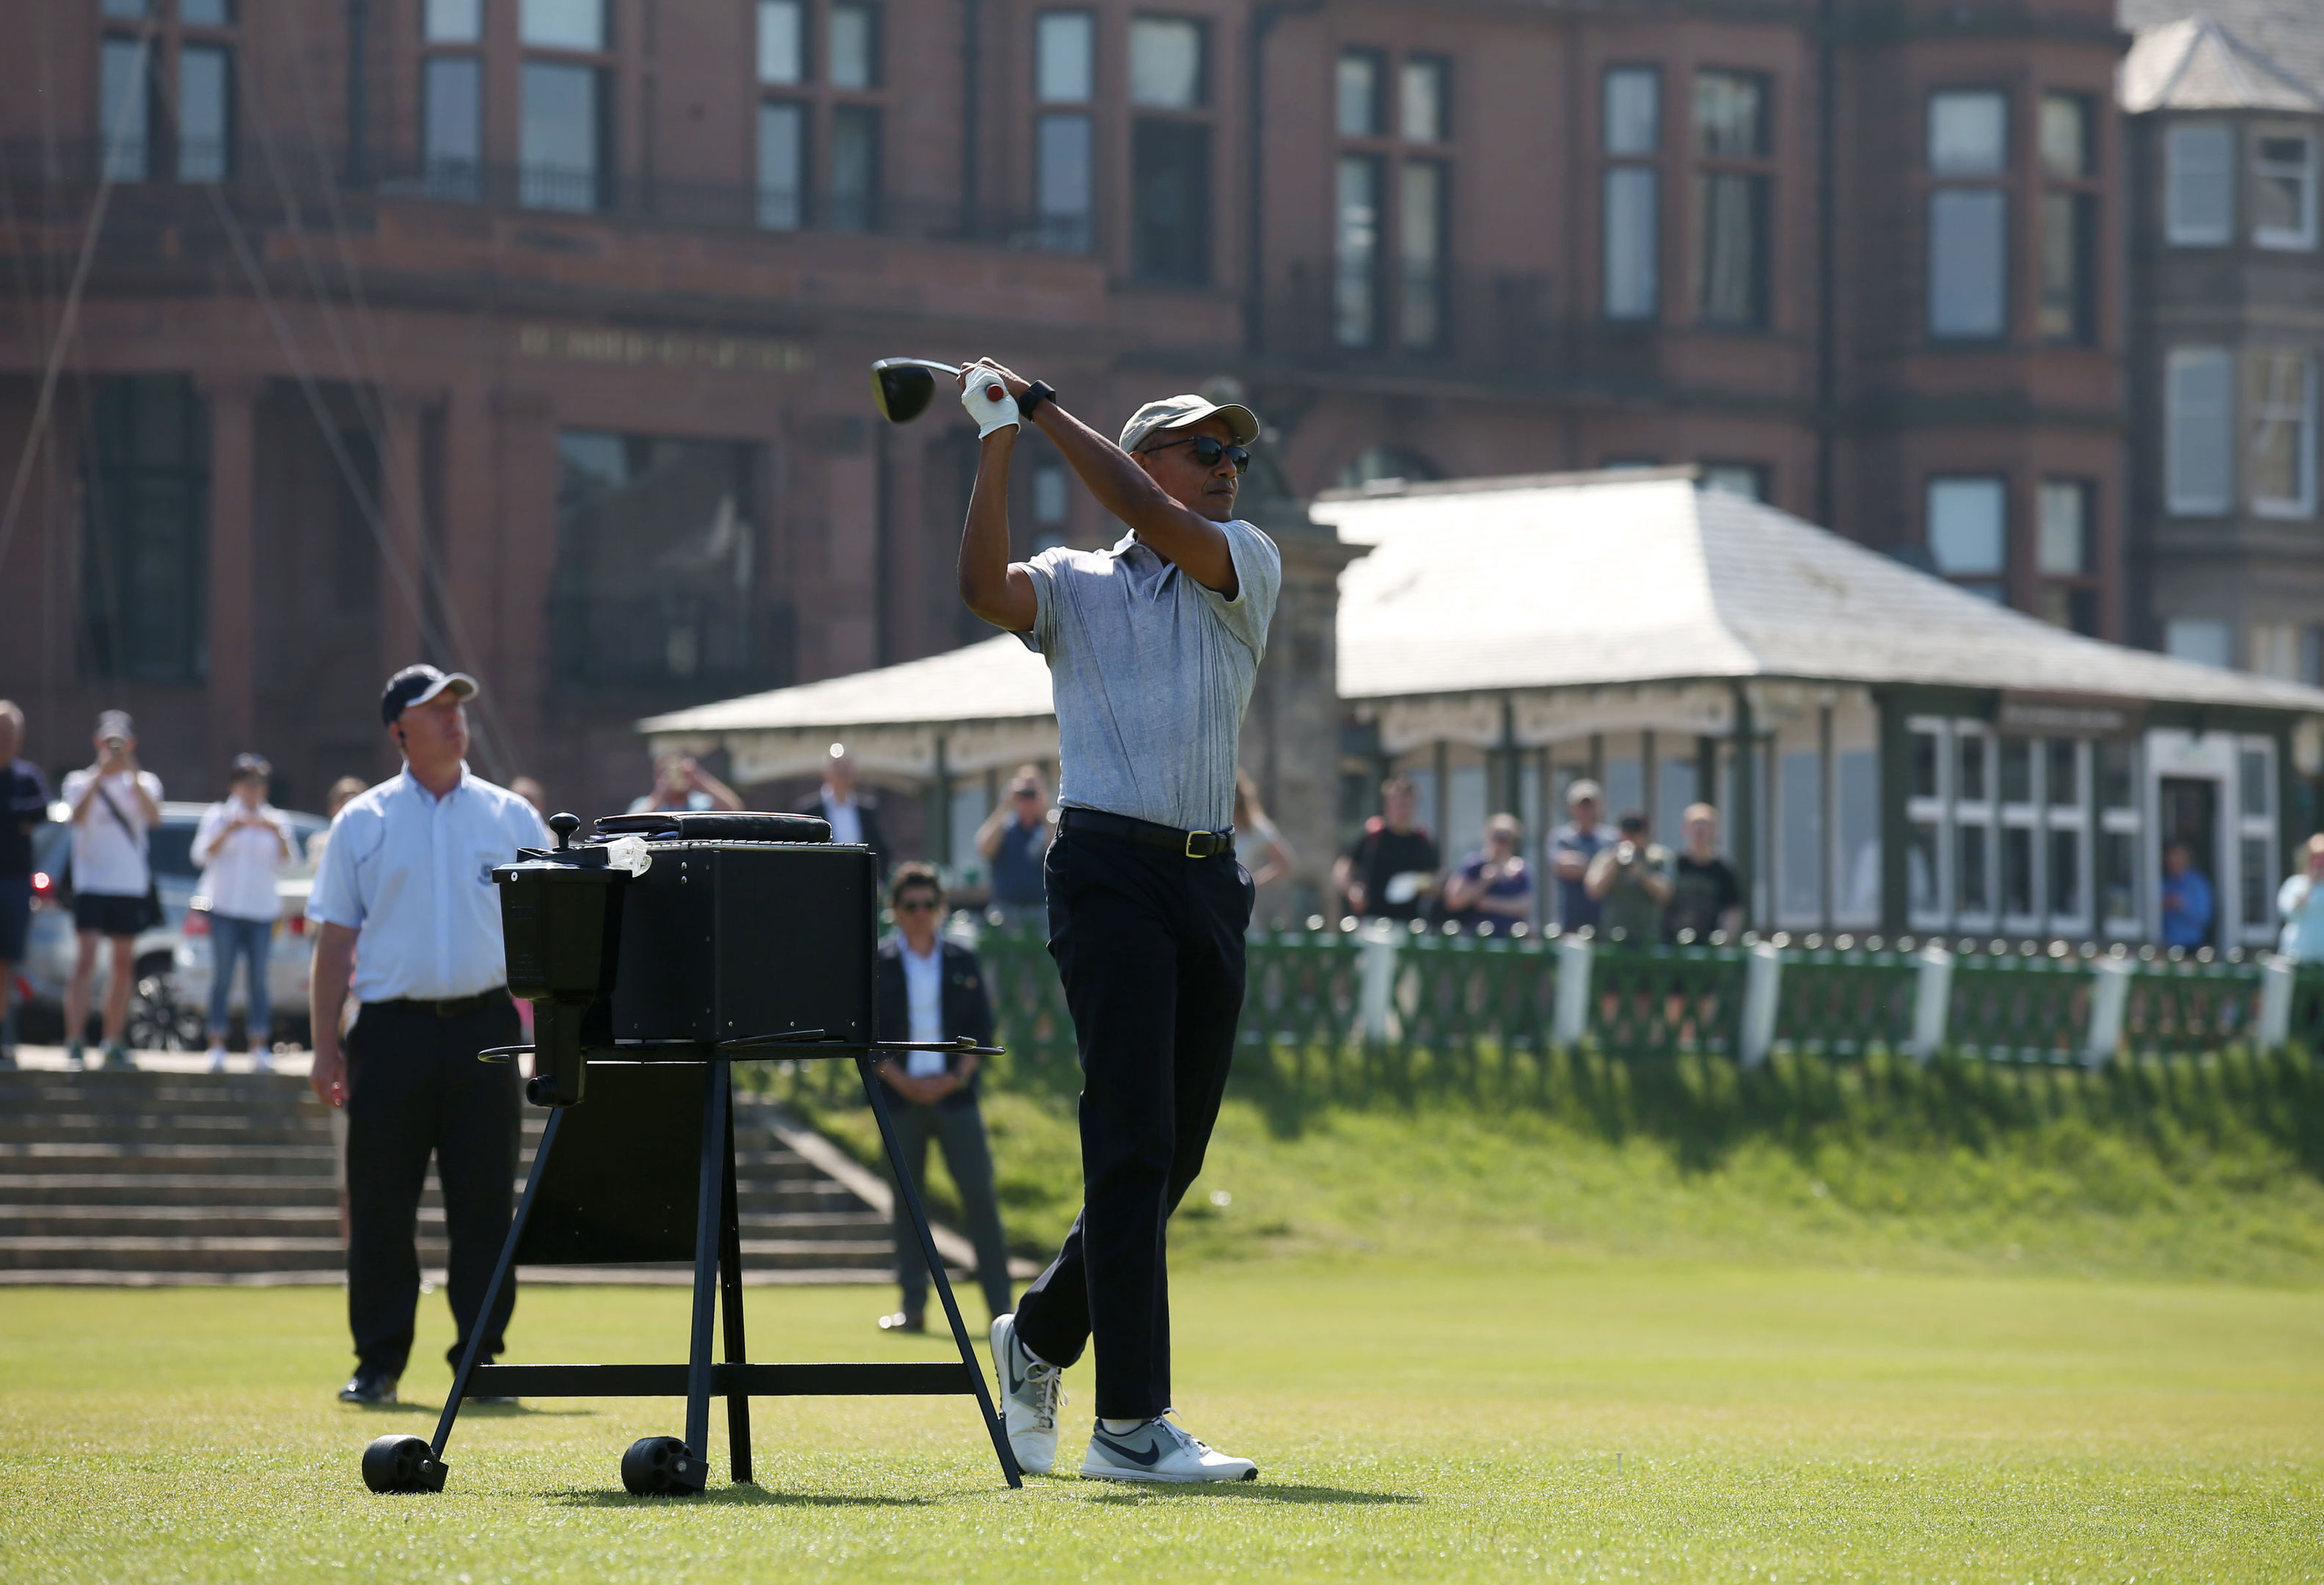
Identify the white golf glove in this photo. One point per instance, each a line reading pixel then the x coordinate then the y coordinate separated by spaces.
pixel 989 415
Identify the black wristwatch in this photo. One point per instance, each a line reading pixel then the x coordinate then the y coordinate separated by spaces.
pixel 1034 394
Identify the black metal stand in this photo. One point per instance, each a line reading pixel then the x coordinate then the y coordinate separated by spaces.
pixel 669 1466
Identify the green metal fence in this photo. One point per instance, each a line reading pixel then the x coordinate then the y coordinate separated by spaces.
pixel 1341 1012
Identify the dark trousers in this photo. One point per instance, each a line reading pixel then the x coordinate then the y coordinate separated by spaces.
pixel 959 1132
pixel 1150 948
pixel 416 1088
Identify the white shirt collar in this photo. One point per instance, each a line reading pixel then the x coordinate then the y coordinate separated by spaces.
pixel 417 785
pixel 933 954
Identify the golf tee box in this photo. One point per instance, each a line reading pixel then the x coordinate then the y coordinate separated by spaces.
pixel 655 958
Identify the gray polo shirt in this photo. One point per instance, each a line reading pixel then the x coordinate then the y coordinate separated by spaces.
pixel 1151 673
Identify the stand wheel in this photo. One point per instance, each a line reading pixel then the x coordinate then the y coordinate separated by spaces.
pixel 401 1463
pixel 661 1466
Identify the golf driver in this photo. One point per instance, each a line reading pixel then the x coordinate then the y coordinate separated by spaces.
pixel 904 386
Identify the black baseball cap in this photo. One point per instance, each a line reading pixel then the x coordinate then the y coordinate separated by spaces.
pixel 418 685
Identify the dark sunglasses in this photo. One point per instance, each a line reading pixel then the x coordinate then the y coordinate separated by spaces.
pixel 1208 449
pixel 919 905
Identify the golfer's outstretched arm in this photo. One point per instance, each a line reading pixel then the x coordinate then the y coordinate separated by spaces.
pixel 1000 593
pixel 1186 539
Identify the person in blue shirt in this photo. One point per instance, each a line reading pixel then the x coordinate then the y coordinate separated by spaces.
pixel 2187 900
pixel 404 905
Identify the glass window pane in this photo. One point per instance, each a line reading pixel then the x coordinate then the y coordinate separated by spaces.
pixel 1730 114
pixel 2064 313
pixel 1049 493
pixel 2115 760
pixel 2065 778
pixel 1921 769
pixel 1630 284
pixel 1358 90
pixel 1730 263
pixel 1972 882
pixel 854 168
pixel 204 112
pixel 1165 62
pixel 1801 891
pixel 2258 882
pixel 854 46
pixel 2201 197
pixel 2062 543
pixel 1356 251
pixel 2280 411
pixel 452 126
pixel 2283 191
pixel 1633 110
pixel 2065 875
pixel 129 10
pixel 782 167
pixel 1063 181
pixel 2199 398
pixel 1747 479
pixel 557 137
pixel 2065 135
pixel 1170 202
pixel 205 13
pixel 1921 869
pixel 453 22
pixel 1422 222
pixel 1968 264
pixel 1064 52
pixel 2118 874
pixel 1970 788
pixel 2016 870
pixel 563 24
pixel 655 547
pixel 2016 765
pixel 1856 884
pixel 2256 787
pixel 2208 641
pixel 782 41
pixel 123 108
pixel 1968 134
pixel 1423 102
pixel 1967 525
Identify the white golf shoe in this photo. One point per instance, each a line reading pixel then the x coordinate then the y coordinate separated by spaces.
pixel 1032 1391
pixel 1160 1451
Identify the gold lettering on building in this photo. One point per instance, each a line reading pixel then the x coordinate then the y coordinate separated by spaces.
pixel 631 349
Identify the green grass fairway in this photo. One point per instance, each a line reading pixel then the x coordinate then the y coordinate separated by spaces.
pixel 1543 1416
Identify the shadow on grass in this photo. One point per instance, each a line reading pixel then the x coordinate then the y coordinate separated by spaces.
pixel 1252 1491
pixel 734 1497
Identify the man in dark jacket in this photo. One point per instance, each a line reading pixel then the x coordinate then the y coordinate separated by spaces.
pixel 932 989
pixel 853 819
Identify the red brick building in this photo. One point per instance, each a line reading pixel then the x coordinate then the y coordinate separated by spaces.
pixel 529 335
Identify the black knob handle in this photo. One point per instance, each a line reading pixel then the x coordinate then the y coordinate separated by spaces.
pixel 564 825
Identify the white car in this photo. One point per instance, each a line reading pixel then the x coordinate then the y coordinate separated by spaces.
pixel 167 1008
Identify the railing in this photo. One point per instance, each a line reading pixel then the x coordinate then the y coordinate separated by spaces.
pixel 1331 1013
pixel 256 180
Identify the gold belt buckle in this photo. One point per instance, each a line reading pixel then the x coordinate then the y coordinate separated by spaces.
pixel 1206 836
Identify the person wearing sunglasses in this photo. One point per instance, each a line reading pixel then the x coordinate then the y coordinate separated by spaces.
pixel 927 988
pixel 1153 645
pixel 1013 840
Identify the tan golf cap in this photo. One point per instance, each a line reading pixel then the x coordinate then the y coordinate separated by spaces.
pixel 1176 412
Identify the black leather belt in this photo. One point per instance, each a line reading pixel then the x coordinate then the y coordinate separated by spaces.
pixel 1186 843
pixel 451 1006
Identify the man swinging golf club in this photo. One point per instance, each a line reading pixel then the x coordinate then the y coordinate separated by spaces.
pixel 1153 647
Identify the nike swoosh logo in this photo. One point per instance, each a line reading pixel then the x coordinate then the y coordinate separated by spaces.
pixel 1148 1459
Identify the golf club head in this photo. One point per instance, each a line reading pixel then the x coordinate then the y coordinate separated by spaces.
pixel 902 387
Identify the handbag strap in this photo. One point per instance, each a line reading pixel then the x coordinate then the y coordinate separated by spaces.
pixel 134 834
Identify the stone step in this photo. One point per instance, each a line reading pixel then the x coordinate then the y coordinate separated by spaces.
pixel 135 1188
pixel 263 1253
pixel 109 1221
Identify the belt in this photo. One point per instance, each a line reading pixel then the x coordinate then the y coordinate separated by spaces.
pixel 449 1006
pixel 1186 843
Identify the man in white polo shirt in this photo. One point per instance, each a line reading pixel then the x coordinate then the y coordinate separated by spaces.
pixel 1153 647
pixel 405 898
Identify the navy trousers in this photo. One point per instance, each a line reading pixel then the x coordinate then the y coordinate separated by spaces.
pixel 417 1089
pixel 1150 945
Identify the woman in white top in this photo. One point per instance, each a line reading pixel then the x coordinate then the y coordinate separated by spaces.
pixel 242 846
pixel 2300 904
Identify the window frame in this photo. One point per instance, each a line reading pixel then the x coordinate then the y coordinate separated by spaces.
pixel 2177 501
pixel 1756 172
pixel 1619 168
pixel 1994 184
pixel 1395 317
pixel 2301 238
pixel 2302 418
pixel 2176 230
